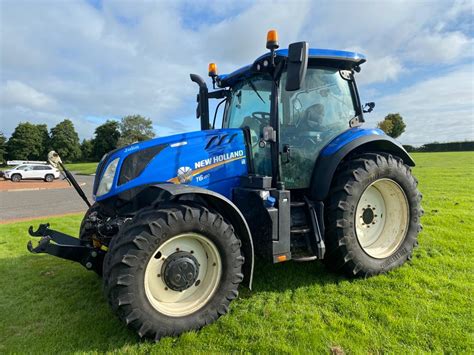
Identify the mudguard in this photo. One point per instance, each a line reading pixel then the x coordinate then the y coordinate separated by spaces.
pixel 229 211
pixel 355 140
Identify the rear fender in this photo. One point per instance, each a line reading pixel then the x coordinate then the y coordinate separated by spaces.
pixel 229 211
pixel 351 142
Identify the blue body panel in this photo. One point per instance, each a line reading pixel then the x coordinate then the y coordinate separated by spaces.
pixel 347 137
pixel 213 159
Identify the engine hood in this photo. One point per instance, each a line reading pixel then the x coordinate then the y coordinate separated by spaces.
pixel 213 159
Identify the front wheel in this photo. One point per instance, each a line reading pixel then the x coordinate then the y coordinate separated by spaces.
pixel 49 178
pixel 373 215
pixel 173 270
pixel 16 178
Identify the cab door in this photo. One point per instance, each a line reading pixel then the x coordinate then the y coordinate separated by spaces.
pixel 309 119
pixel 249 109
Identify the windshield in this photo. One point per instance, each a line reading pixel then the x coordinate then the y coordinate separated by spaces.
pixel 325 101
pixel 248 97
pixel 249 108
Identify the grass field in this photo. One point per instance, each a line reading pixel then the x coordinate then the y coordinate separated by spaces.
pixel 82 168
pixel 48 305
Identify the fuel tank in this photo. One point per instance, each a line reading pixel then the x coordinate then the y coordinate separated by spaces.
pixel 212 159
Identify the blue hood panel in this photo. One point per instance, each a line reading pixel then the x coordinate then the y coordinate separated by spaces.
pixel 213 159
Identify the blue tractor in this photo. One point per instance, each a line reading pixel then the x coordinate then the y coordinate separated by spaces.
pixel 291 175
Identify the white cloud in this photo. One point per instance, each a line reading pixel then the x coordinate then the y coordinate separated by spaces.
pixel 17 93
pixel 438 109
pixel 438 47
pixel 378 70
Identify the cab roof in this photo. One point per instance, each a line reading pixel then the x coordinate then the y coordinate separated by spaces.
pixel 337 58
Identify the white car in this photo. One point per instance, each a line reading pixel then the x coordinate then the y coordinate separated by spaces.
pixel 32 171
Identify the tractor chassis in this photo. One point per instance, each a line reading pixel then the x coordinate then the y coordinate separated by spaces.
pixel 66 247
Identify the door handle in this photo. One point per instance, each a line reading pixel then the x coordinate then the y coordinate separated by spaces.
pixel 286 153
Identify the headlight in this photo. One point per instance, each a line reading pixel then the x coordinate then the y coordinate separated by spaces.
pixel 108 178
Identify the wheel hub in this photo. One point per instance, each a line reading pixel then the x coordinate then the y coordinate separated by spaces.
pixel 368 215
pixel 180 271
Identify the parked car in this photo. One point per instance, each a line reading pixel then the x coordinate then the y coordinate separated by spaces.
pixel 32 171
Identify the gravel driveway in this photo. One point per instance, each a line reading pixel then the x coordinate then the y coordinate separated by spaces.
pixel 38 203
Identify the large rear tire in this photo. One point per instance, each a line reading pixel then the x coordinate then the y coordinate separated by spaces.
pixel 173 270
pixel 373 215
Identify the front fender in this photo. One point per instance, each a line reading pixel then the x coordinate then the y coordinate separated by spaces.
pixel 355 140
pixel 229 211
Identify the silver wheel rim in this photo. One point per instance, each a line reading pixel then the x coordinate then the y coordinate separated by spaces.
pixel 381 219
pixel 181 303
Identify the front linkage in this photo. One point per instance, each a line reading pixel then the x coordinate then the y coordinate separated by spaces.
pixel 66 247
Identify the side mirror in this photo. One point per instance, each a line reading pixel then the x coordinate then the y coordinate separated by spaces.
pixel 368 107
pixel 297 65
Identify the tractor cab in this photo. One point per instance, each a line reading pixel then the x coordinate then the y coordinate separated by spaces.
pixel 291 103
pixel 323 107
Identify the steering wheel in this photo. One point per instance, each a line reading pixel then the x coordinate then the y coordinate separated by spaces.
pixel 261 116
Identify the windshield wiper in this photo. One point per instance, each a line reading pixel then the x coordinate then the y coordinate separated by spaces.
pixel 255 89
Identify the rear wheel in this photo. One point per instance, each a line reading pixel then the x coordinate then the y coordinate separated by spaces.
pixel 173 270
pixel 49 178
pixel 16 178
pixel 373 215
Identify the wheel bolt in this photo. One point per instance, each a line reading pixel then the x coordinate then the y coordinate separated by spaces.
pixel 214 264
pixel 192 251
pixel 166 288
pixel 177 249
pixel 159 275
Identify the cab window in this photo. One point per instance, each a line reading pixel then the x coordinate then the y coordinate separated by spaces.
pixel 310 118
pixel 249 107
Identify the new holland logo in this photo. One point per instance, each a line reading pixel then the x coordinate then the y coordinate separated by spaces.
pixel 185 174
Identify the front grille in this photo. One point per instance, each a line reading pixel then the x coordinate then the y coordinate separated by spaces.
pixel 135 163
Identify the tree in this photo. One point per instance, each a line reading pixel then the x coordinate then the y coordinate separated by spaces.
pixel 106 139
pixel 393 125
pixel 27 142
pixel 3 148
pixel 65 141
pixel 45 140
pixel 135 129
pixel 86 150
pixel 386 126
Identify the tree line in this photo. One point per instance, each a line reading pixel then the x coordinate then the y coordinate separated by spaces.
pixel 466 146
pixel 33 142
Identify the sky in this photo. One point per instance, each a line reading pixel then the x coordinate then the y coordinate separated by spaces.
pixel 96 60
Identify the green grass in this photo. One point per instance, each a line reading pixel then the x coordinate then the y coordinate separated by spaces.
pixel 48 305
pixel 82 168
